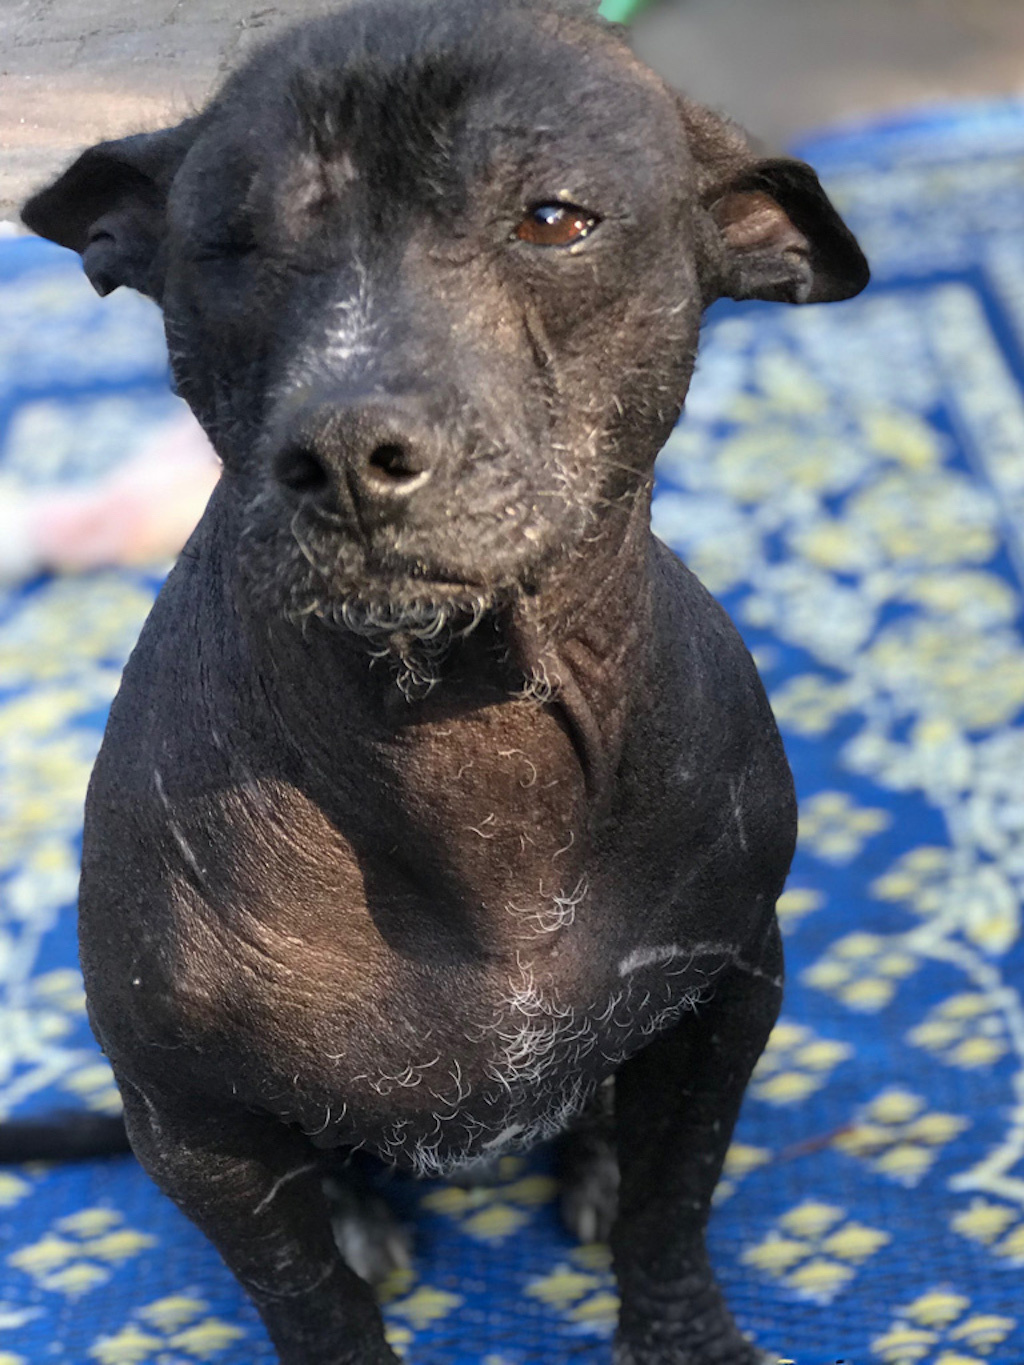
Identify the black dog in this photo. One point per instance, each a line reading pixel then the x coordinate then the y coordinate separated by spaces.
pixel 438 791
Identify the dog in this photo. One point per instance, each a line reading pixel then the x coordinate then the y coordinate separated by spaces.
pixel 441 809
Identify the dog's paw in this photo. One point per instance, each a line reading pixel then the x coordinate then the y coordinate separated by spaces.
pixel 590 1185
pixel 371 1240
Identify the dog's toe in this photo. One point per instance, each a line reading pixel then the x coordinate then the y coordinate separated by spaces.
pixel 590 1185
pixel 371 1240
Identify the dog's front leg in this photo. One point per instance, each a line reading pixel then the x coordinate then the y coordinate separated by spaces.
pixel 253 1186
pixel 676 1104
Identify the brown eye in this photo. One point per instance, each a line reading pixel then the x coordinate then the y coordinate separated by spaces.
pixel 556 225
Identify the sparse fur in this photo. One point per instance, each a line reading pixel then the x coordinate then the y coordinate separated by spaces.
pixel 437 792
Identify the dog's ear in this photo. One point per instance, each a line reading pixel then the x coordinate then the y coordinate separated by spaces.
pixel 110 207
pixel 773 232
pixel 782 239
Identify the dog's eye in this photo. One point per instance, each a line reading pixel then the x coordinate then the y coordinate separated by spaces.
pixel 224 251
pixel 556 225
pixel 228 245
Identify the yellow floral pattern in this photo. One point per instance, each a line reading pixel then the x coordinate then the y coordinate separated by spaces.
pixel 168 1330
pixel 940 1327
pixel 899 1136
pixel 494 1211
pixel 815 1250
pixel 861 970
pixel 795 1064
pixel 582 1289
pixel 75 1256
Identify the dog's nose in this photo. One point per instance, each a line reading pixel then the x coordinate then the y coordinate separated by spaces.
pixel 372 456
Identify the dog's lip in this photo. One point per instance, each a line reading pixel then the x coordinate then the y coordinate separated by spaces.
pixel 379 567
pixel 372 572
pixel 386 569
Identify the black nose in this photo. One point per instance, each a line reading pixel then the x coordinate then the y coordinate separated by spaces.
pixel 373 457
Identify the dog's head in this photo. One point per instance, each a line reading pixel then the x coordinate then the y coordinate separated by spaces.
pixel 432 274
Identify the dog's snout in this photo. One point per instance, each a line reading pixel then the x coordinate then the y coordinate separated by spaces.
pixel 371 457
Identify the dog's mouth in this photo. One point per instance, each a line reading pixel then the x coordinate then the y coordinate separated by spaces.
pixel 407 613
pixel 412 585
pixel 421 521
pixel 377 589
pixel 406 578
pixel 413 629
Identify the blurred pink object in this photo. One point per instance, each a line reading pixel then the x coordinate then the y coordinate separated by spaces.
pixel 140 513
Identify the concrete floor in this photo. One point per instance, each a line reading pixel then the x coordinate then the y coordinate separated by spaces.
pixel 783 66
pixel 74 71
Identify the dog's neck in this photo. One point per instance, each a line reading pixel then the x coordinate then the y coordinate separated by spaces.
pixel 585 634
pixel 574 647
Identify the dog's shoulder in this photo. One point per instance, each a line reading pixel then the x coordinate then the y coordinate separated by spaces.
pixel 712 736
pixel 701 650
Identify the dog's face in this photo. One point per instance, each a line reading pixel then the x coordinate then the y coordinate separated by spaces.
pixel 432 277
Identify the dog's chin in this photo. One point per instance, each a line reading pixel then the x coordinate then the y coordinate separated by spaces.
pixel 408 615
pixel 387 593
pixel 388 608
pixel 412 625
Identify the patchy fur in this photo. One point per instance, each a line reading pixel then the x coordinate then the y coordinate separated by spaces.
pixel 437 792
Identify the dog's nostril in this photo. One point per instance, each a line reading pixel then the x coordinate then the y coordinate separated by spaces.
pixel 299 469
pixel 396 462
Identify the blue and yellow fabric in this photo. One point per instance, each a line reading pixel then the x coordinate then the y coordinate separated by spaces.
pixel 850 480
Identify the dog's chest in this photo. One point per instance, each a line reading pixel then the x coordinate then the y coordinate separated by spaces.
pixel 445 970
pixel 440 1011
pixel 435 1073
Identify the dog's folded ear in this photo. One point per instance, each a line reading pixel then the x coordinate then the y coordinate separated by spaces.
pixel 782 239
pixel 110 207
pixel 771 231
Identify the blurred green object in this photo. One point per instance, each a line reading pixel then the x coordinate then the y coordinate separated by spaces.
pixel 621 11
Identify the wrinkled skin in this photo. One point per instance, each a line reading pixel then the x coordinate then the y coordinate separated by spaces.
pixel 437 791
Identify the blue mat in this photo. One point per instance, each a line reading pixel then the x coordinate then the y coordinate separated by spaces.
pixel 850 480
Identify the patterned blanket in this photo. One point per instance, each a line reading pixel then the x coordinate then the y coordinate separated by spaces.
pixel 850 481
